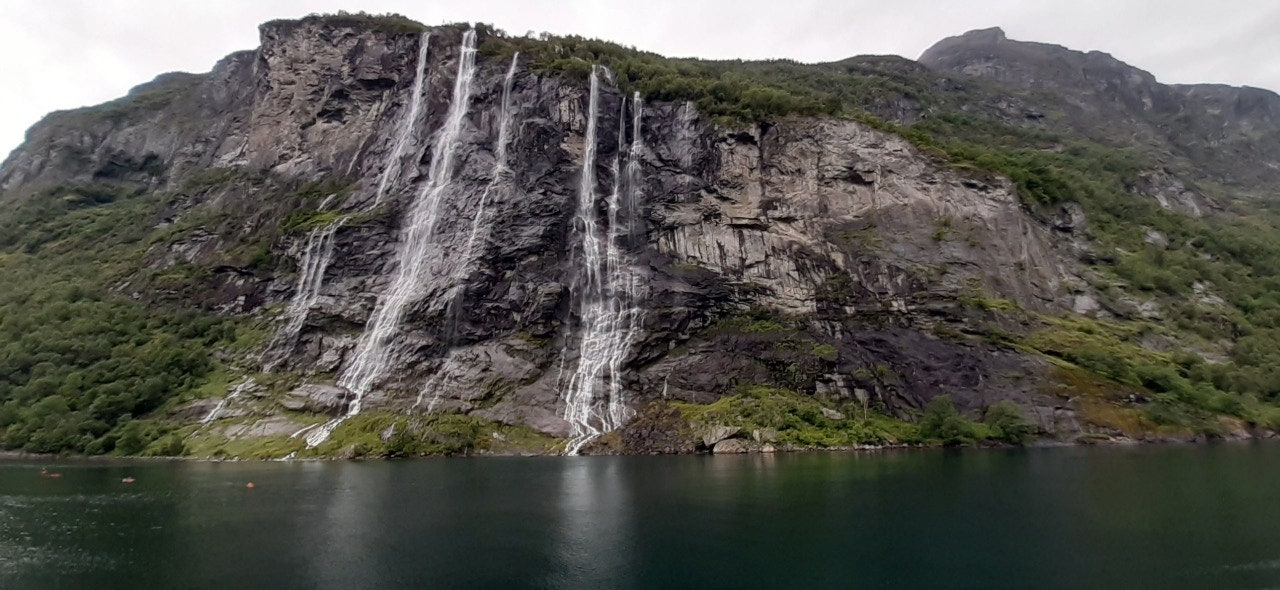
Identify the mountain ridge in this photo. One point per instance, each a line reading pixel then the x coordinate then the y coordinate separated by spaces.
pixel 1241 121
pixel 835 253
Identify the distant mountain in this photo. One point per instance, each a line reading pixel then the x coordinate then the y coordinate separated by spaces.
pixel 1229 134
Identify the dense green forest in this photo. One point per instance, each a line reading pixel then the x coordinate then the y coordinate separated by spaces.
pixel 79 361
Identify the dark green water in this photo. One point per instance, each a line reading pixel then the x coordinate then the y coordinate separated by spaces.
pixel 1170 517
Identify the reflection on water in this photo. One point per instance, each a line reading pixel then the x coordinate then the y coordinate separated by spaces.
pixel 591 540
pixel 346 533
pixel 1175 517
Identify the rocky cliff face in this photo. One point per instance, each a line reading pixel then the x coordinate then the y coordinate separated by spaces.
pixel 814 254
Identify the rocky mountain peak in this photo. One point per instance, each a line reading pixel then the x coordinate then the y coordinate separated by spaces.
pixel 1212 128
pixel 974 37
pixel 990 53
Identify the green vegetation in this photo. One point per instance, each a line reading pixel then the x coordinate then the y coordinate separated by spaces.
pixel 942 424
pixel 379 434
pixel 1184 389
pixel 722 90
pixel 64 214
pixel 208 445
pixel 318 190
pixel 306 216
pixel 388 23
pixel 147 98
pixel 305 221
pixel 755 321
pixel 798 419
pixel 804 421
pixel 200 180
pixel 80 364
pixel 87 368
pixel 1005 423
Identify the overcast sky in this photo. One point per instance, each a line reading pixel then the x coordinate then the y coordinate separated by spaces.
pixel 59 54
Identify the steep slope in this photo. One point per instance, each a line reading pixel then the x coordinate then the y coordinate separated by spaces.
pixel 657 256
pixel 1227 135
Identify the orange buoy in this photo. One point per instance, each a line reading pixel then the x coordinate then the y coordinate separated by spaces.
pixel 249 485
pixel 127 480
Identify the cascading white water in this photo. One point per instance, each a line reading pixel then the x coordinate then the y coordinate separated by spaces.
pixel 412 270
pixel 317 252
pixel 634 189
pixel 686 131
pixel 608 288
pixel 480 225
pixel 624 282
pixel 391 171
pixel 501 171
pixel 579 394
pixel 316 255
pixel 236 392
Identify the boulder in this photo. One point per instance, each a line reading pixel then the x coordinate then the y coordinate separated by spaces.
pixel 317 398
pixel 765 435
pixel 731 446
pixel 712 435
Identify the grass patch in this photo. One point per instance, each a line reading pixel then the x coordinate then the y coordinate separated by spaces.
pixel 300 222
pixel 257 447
pixel 380 434
pixel 798 419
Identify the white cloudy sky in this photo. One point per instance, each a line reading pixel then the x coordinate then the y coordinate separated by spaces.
pixel 58 54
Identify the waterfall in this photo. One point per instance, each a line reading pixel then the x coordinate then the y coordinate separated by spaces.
pixel 624 282
pixel 607 289
pixel 631 199
pixel 317 252
pixel 578 396
pixel 236 392
pixel 413 264
pixel 391 171
pixel 686 131
pixel 501 171
pixel 500 178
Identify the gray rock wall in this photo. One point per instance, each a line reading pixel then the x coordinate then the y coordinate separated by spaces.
pixel 863 244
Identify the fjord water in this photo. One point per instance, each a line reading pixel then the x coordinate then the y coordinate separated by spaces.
pixel 1171 517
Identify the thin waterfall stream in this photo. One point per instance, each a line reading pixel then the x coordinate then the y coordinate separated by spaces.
pixel 236 392
pixel 480 226
pixel 607 289
pixel 413 267
pixel 317 252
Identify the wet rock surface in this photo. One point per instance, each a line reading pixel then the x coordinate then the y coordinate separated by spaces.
pixel 849 253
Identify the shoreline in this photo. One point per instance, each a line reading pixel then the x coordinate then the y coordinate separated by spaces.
pixel 6 456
